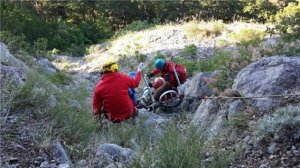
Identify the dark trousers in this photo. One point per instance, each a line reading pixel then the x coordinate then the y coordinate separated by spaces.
pixel 165 87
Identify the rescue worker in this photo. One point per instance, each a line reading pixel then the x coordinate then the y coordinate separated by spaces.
pixel 166 69
pixel 110 97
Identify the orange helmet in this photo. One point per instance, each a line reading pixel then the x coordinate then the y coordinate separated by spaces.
pixel 158 82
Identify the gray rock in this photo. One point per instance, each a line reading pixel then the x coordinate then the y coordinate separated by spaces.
pixel 64 165
pixel 197 87
pixel 44 164
pixel 269 76
pixel 81 164
pixel 47 65
pixel 111 153
pixel 8 59
pixel 51 101
pixel 12 75
pixel 117 152
pixel 235 108
pixel 208 118
pixel 61 154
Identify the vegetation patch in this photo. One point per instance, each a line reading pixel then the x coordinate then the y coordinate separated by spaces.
pixel 282 124
pixel 199 30
pixel 247 37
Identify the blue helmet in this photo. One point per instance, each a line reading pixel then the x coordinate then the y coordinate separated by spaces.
pixel 159 63
pixel 132 74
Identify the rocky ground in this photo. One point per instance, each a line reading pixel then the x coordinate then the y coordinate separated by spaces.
pixel 18 144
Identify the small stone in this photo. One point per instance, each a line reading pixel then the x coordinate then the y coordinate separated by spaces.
pixel 39 159
pixel 13 160
pixel 271 156
pixel 45 164
pixel 284 160
pixel 264 166
pixel 296 153
pixel 293 147
pixel 81 163
pixel 65 165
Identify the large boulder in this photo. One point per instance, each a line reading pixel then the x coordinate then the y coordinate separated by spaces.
pixel 12 75
pixel 269 76
pixel 196 87
pixel 8 59
pixel 212 115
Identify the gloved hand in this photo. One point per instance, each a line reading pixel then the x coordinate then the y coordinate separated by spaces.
pixel 149 75
pixel 141 67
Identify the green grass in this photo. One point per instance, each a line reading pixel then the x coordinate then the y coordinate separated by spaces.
pixel 176 148
pixel 34 92
pixel 60 77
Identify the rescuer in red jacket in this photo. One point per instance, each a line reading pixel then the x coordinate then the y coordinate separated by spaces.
pixel 111 96
pixel 166 69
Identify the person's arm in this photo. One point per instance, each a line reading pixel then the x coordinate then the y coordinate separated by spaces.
pixel 155 72
pixel 134 82
pixel 97 104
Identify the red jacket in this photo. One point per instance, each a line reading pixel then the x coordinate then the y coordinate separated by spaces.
pixel 168 73
pixel 111 96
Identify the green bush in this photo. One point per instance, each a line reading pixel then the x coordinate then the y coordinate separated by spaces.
pixel 287 21
pixel 140 57
pixel 60 77
pixel 248 37
pixel 281 124
pixel 216 62
pixel 34 92
pixel 195 29
pixel 40 46
pixel 13 42
pixel 189 51
pixel 137 25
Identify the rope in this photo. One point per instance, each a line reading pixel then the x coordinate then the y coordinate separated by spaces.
pixel 249 97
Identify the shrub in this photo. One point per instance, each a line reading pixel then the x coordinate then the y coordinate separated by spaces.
pixel 247 37
pixel 287 22
pixel 60 77
pixel 13 42
pixel 202 29
pixel 281 124
pixel 140 57
pixel 40 46
pixel 216 62
pixel 189 51
pixel 137 25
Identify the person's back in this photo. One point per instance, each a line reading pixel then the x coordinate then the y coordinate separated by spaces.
pixel 111 96
pixel 114 91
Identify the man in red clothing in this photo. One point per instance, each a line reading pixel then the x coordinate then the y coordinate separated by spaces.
pixel 111 96
pixel 166 69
